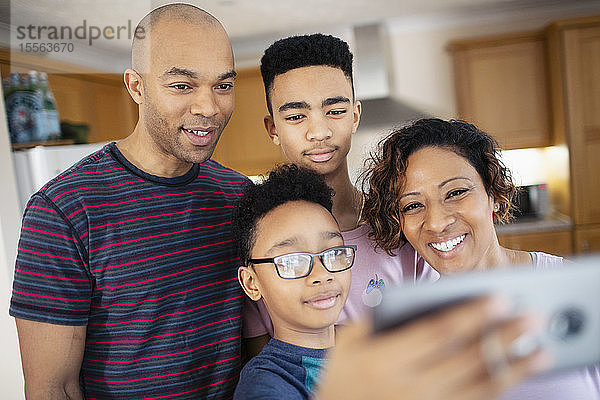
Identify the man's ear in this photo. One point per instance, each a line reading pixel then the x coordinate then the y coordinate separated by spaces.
pixel 271 129
pixel 134 85
pixel 356 111
pixel 249 282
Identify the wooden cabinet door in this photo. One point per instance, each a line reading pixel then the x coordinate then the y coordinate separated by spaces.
pixel 82 95
pixel 245 145
pixel 587 239
pixel 581 65
pixel 558 242
pixel 501 86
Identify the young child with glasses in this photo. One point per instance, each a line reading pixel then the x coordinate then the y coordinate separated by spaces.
pixel 293 258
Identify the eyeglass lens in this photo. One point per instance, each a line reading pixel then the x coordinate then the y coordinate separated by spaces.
pixel 298 264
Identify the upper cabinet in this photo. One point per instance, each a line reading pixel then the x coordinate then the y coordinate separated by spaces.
pixel 540 89
pixel 502 87
pixel 82 96
pixel 575 49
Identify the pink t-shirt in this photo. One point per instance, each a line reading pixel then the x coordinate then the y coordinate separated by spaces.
pixel 575 384
pixel 372 272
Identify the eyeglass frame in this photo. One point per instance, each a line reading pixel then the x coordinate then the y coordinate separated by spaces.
pixel 312 260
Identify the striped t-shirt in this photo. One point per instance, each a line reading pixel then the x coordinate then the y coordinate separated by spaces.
pixel 148 264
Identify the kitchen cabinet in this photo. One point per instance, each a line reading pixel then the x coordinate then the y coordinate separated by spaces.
pixel 82 95
pixel 587 239
pixel 502 87
pixel 575 48
pixel 102 102
pixel 554 242
pixel 547 83
pixel 245 145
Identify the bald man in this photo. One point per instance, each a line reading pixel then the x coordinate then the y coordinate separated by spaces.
pixel 125 282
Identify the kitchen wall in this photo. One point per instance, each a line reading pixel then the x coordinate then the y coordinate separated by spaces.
pixel 422 72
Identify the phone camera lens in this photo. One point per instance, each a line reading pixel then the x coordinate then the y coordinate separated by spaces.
pixel 566 324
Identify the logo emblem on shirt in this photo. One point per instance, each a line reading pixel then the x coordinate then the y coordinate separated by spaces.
pixel 374 292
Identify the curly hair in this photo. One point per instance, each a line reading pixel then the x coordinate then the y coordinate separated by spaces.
pixel 285 183
pixel 304 51
pixel 386 170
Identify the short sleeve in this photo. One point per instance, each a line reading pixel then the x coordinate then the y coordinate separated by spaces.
pixel 51 281
pixel 256 320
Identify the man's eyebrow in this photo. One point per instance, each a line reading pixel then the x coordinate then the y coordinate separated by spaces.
pixel 335 100
pixel 227 75
pixel 294 105
pixel 175 71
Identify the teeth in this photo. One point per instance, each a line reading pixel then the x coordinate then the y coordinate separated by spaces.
pixel 197 133
pixel 448 245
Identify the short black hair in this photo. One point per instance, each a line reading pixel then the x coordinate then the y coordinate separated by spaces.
pixel 304 51
pixel 285 183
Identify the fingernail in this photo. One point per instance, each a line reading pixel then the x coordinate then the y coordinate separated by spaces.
pixel 524 345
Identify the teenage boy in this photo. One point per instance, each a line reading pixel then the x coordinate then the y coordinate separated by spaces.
pixel 312 115
pixel 294 258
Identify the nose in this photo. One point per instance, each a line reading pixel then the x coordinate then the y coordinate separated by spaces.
pixel 318 129
pixel 204 103
pixel 438 218
pixel 319 273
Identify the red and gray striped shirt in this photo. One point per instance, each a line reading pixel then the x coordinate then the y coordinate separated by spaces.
pixel 148 264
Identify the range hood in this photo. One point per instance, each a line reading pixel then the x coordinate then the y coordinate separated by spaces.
pixel 373 77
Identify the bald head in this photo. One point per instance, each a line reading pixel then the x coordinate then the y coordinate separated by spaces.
pixel 172 13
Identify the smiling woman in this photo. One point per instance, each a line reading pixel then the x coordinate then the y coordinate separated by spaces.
pixel 440 186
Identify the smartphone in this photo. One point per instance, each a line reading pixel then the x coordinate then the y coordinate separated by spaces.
pixel 568 296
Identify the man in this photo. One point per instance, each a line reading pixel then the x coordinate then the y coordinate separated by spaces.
pixel 125 282
pixel 313 114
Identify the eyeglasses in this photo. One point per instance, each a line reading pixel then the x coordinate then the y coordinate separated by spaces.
pixel 299 265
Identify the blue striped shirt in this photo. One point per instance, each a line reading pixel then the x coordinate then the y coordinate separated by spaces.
pixel 148 264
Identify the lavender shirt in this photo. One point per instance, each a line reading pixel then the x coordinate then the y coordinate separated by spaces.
pixel 576 384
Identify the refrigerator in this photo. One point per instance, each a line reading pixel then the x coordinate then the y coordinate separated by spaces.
pixel 36 166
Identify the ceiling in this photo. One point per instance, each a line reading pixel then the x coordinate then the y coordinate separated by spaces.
pixel 250 18
pixel 253 24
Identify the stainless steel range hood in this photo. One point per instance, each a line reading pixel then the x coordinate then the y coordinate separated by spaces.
pixel 373 77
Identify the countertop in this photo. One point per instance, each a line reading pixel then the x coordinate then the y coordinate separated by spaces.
pixel 554 222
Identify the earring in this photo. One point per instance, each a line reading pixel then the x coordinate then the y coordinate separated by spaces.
pixel 496 207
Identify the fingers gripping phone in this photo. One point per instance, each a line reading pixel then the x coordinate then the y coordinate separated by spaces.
pixel 568 296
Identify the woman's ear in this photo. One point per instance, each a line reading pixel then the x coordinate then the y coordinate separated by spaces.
pixel 249 282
